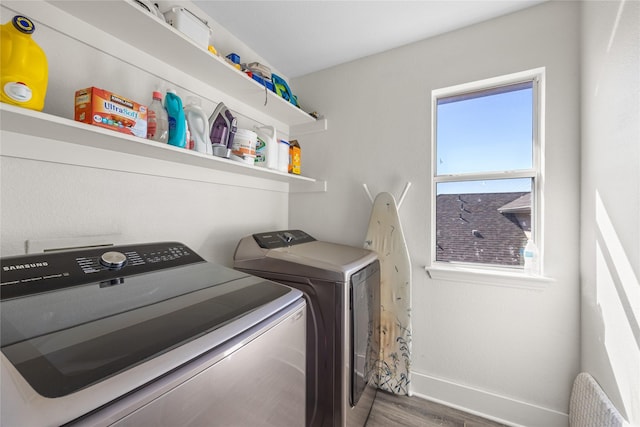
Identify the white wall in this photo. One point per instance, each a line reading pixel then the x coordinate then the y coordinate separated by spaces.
pixel 610 265
pixel 46 200
pixel 508 353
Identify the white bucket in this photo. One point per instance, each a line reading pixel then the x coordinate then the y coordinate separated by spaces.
pixel 283 156
pixel 244 146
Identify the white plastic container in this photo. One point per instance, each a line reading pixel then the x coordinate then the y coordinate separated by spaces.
pixel 198 125
pixel 157 119
pixel 283 156
pixel 244 146
pixel 189 24
pixel 267 147
pixel 531 258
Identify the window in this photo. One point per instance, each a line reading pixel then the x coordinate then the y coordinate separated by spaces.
pixel 487 170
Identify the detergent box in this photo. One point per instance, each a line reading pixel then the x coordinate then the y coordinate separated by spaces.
pixel 294 157
pixel 106 109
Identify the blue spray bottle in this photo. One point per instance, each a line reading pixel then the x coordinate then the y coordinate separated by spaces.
pixel 177 123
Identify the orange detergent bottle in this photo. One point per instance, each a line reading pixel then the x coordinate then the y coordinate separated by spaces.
pixel 24 69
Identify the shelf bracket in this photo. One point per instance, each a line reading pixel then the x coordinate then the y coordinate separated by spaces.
pixel 317 186
pixel 299 130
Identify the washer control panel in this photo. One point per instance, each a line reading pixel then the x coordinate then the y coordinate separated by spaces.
pixel 282 238
pixel 28 274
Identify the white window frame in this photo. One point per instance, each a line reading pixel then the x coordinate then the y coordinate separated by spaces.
pixel 470 271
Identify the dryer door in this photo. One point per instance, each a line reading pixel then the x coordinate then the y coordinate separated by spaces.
pixel 364 311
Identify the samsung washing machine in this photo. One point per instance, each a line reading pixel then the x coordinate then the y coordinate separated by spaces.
pixel 147 335
pixel 341 285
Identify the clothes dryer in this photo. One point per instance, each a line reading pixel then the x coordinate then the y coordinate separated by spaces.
pixel 341 286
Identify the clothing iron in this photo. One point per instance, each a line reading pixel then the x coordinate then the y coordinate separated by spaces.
pixel 222 129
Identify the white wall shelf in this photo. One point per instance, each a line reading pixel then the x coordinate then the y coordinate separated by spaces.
pixel 127 21
pixel 36 124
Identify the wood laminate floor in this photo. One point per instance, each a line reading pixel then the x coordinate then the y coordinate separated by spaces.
pixel 390 410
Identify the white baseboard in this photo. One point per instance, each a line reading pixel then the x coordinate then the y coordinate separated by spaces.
pixel 485 404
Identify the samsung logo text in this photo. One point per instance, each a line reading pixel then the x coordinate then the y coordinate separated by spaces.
pixel 25 266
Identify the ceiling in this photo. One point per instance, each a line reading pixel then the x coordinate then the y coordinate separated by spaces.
pixel 300 37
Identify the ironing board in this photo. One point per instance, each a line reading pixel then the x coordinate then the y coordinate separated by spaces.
pixel 385 237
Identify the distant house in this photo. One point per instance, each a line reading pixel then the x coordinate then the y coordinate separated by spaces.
pixel 490 228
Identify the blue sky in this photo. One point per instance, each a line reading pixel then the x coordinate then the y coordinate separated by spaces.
pixel 482 134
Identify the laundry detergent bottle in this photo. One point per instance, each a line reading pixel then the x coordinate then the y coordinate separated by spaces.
pixel 177 120
pixel 198 125
pixel 267 147
pixel 23 68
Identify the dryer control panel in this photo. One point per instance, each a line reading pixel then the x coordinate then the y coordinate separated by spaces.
pixel 282 238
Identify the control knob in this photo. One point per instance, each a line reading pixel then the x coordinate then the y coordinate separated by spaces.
pixel 113 260
pixel 288 237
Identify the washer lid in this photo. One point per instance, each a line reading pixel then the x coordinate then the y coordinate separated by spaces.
pixel 329 256
pixel 68 338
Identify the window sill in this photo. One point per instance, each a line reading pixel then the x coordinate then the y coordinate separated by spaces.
pixel 491 277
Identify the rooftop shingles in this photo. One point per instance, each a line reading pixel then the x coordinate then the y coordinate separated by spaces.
pixel 470 228
pixel 521 204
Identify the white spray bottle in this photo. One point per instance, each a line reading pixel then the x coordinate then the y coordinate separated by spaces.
pixel 531 258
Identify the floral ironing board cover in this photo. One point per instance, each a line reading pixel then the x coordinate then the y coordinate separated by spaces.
pixel 385 237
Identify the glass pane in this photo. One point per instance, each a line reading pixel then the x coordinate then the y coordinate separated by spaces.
pixel 485 222
pixel 485 131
